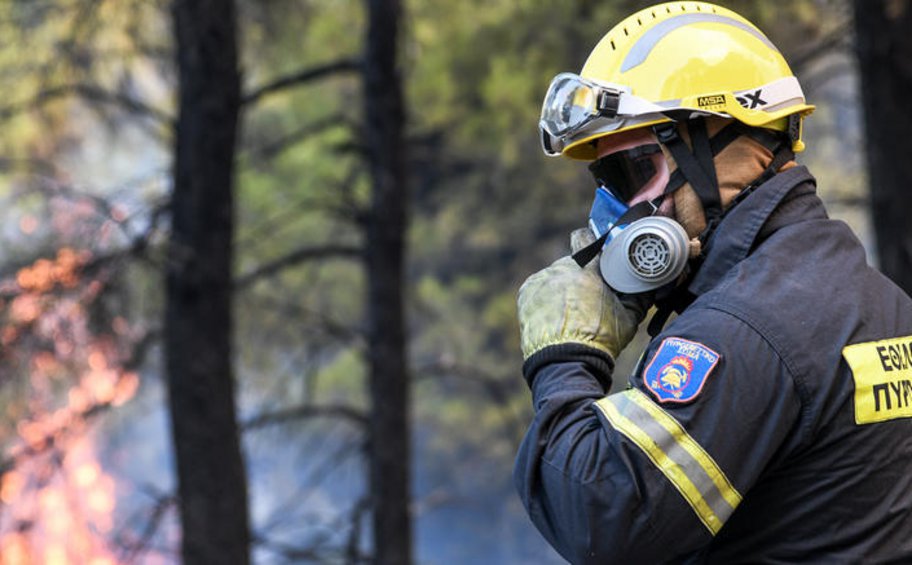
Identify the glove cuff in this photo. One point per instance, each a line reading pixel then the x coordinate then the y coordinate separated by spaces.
pixel 601 363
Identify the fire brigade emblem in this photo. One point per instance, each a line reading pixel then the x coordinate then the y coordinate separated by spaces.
pixel 679 369
pixel 675 374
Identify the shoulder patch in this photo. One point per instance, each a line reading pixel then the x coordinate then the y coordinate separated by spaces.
pixel 679 369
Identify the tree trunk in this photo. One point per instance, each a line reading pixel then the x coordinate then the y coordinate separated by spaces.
pixel 387 223
pixel 198 323
pixel 884 48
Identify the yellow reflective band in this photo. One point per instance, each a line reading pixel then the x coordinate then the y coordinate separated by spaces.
pixel 709 465
pixel 680 458
pixel 883 379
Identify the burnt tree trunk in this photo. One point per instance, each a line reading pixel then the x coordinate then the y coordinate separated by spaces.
pixel 390 456
pixel 198 324
pixel 884 48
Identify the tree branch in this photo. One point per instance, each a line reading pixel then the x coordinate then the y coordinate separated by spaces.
pixel 352 547
pixel 349 413
pixel 92 93
pixel 296 258
pixel 133 551
pixel 301 77
pixel 274 148
pixel 50 440
pixel 318 324
pixel 497 389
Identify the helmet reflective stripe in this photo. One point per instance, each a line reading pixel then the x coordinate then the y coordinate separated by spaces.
pixel 641 49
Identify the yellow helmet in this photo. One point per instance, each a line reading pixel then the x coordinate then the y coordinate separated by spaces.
pixel 673 59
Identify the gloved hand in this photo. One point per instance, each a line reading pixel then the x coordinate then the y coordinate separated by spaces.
pixel 564 303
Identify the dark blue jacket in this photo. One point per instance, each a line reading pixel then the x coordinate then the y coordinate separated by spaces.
pixel 769 422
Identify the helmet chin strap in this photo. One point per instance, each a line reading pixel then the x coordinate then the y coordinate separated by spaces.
pixel 696 166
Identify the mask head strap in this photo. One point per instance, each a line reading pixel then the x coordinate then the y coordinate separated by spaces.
pixel 636 212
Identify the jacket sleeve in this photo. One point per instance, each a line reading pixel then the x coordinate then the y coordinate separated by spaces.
pixel 633 477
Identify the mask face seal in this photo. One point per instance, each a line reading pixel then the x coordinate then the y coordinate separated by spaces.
pixel 626 172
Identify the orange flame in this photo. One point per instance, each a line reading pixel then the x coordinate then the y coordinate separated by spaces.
pixel 58 502
pixel 62 520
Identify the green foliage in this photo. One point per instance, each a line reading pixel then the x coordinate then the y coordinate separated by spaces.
pixel 488 208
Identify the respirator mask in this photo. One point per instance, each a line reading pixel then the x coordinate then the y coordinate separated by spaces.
pixel 640 251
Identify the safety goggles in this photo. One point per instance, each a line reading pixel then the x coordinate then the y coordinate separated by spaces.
pixel 624 173
pixel 574 103
pixel 576 107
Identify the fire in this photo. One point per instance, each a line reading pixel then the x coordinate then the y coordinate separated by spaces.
pixel 15 550
pixel 57 502
pixel 28 224
pixel 44 274
pixel 87 474
pixel 62 518
pixel 11 486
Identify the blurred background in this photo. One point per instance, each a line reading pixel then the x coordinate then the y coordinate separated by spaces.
pixel 308 220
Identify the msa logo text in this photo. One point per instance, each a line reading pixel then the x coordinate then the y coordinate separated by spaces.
pixel 714 100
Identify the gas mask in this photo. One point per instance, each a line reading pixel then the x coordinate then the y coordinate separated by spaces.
pixel 641 251
pixel 638 255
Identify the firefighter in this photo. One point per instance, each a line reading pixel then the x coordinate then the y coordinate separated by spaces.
pixel 769 421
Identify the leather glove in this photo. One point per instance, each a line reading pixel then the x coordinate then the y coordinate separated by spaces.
pixel 564 304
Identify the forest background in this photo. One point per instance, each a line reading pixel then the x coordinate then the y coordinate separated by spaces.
pixel 318 257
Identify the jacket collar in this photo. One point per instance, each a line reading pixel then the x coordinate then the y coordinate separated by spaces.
pixel 739 230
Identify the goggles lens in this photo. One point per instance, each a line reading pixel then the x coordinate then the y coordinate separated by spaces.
pixel 624 173
pixel 569 104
